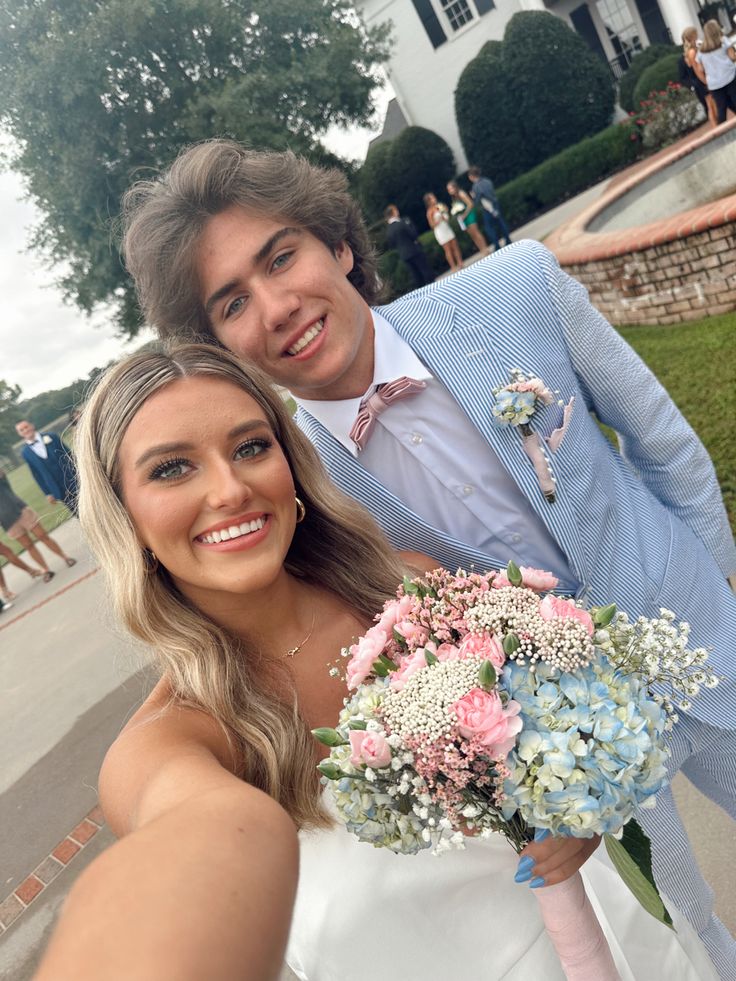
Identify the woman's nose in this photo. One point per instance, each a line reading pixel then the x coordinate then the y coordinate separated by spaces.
pixel 227 488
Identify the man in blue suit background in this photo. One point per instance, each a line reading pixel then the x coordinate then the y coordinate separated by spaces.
pixel 50 463
pixel 268 256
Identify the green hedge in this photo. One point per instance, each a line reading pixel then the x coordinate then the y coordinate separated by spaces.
pixel 656 77
pixel 639 63
pixel 568 173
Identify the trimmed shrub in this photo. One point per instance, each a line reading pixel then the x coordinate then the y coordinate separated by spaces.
pixel 666 115
pixel 568 173
pixel 400 171
pixel 655 77
pixel 639 63
pixel 522 100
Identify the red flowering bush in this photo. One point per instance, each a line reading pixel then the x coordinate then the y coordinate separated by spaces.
pixel 665 116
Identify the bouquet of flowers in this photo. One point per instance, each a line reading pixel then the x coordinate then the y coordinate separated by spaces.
pixel 486 704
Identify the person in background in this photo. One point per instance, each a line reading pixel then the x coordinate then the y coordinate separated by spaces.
pixel 484 195
pixel 402 236
pixel 692 75
pixel 19 521
pixel 9 555
pixel 438 219
pixel 51 464
pixel 466 213
pixel 718 58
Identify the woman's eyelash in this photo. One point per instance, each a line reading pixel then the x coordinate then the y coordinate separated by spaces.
pixel 261 443
pixel 159 471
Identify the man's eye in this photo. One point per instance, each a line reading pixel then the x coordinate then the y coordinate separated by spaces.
pixel 282 259
pixel 170 470
pixel 235 307
pixel 251 448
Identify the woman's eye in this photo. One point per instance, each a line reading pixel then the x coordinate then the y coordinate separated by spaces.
pixel 251 448
pixel 170 470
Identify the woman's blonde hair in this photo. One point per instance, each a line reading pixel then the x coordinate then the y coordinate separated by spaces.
pixel 337 547
pixel 712 36
pixel 689 36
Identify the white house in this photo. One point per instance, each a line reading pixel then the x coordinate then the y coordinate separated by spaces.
pixel 435 39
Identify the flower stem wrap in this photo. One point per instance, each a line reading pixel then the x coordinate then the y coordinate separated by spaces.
pixel 575 932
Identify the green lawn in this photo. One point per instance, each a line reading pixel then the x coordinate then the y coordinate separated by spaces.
pixel 695 362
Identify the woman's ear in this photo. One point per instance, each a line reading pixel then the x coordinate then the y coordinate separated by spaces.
pixel 344 255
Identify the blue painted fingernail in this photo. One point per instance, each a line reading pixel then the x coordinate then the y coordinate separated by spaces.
pixel 522 876
pixel 541 833
pixel 526 863
pixel 536 882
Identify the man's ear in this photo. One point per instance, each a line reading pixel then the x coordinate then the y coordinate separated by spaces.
pixel 344 255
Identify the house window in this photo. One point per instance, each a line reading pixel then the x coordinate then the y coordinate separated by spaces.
pixel 458 12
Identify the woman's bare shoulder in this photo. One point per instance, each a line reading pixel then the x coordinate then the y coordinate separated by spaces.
pixel 166 750
pixel 419 562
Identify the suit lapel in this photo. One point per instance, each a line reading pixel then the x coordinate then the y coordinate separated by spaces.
pixel 471 359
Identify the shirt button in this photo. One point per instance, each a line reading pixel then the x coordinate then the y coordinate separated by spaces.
pixel 417 438
pixel 516 539
pixel 468 490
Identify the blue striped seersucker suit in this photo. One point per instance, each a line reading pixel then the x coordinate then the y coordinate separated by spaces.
pixel 645 528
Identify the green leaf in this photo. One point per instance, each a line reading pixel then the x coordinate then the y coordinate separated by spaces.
pixel 430 658
pixel 513 574
pixel 487 676
pixel 510 644
pixel 602 615
pixel 388 663
pixel 328 737
pixel 399 638
pixel 379 669
pixel 330 770
pixel 357 724
pixel 632 858
pixel 410 587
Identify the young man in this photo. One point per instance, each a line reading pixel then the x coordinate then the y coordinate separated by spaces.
pixel 51 464
pixel 484 195
pixel 402 236
pixel 268 256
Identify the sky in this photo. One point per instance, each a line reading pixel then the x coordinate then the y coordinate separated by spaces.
pixel 47 344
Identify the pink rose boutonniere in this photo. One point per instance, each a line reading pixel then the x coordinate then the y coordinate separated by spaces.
pixel 515 405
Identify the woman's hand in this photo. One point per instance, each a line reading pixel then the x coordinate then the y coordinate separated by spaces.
pixel 549 860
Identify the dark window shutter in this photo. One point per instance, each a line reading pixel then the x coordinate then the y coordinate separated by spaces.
pixel 484 6
pixel 430 22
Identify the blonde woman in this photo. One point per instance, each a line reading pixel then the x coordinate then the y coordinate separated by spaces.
pixel 229 552
pixel 438 219
pixel 692 73
pixel 717 57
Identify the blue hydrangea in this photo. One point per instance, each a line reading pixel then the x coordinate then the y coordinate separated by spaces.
pixel 591 751
pixel 514 408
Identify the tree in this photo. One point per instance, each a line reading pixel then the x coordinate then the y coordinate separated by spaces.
pixel 540 91
pixel 401 170
pixel 9 415
pixel 97 93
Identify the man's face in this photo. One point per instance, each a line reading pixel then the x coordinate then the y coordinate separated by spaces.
pixel 276 294
pixel 25 430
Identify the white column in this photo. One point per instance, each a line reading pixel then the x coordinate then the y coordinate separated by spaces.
pixel 532 4
pixel 678 14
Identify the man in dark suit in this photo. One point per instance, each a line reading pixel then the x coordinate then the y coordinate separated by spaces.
pixel 51 464
pixel 402 236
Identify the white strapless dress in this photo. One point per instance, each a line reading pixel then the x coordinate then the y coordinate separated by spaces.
pixel 366 914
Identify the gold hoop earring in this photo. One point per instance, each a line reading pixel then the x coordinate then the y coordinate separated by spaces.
pixel 300 510
pixel 150 562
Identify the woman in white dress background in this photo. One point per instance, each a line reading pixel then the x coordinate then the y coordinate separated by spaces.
pixel 230 553
pixel 438 219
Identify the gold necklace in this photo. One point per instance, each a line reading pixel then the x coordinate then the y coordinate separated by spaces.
pixel 293 651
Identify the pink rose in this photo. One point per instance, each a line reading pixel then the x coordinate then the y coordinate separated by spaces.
pixel 537 579
pixel 482 713
pixel 553 607
pixel 369 748
pixel 535 385
pixel 395 611
pixel 445 652
pixel 499 581
pixel 364 653
pixel 486 646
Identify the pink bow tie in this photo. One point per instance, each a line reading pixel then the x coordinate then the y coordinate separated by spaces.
pixel 375 404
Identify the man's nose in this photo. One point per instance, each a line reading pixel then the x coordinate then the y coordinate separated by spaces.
pixel 277 307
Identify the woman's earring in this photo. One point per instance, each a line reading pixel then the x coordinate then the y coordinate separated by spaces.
pixel 150 561
pixel 300 510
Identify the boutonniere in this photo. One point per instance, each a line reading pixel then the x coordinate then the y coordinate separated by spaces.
pixel 47 440
pixel 516 404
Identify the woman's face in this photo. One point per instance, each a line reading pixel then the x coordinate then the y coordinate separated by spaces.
pixel 431 200
pixel 208 488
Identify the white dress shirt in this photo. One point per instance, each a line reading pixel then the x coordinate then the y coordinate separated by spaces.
pixel 38 446
pixel 426 451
